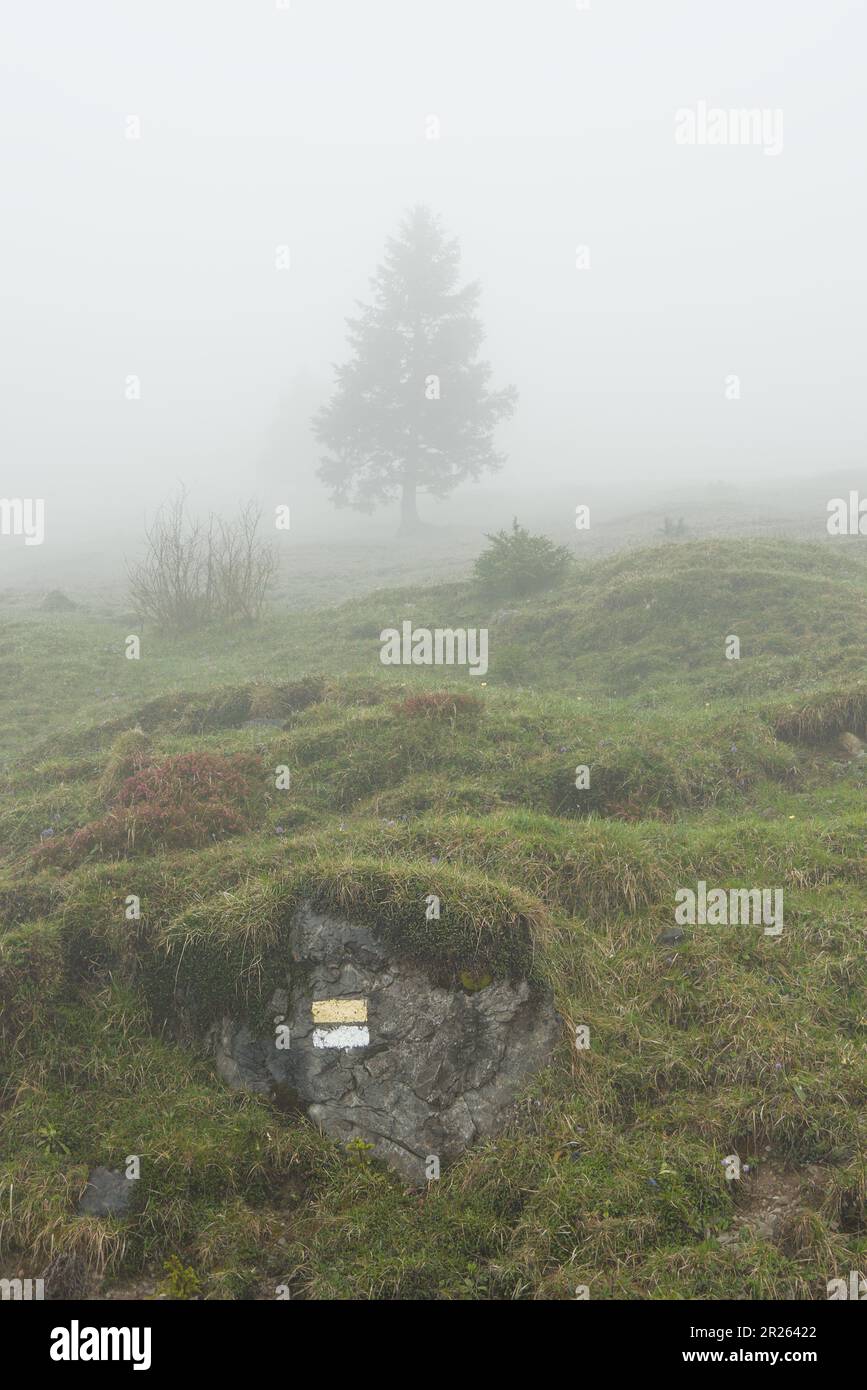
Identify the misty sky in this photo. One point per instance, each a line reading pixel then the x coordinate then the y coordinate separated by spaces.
pixel 305 127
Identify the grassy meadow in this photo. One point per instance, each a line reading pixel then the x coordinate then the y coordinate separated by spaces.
pixel 407 781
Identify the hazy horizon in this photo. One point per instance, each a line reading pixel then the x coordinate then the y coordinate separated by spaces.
pixel 305 126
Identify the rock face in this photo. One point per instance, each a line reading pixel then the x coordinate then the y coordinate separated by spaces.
pixel 378 1052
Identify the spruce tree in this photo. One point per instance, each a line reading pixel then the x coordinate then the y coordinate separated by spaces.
pixel 412 411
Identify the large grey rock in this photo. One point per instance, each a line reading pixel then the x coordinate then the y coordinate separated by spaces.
pixel 441 1067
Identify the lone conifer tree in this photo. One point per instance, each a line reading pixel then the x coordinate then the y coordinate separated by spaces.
pixel 412 412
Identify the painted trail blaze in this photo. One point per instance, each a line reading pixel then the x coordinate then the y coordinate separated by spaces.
pixel 343 1021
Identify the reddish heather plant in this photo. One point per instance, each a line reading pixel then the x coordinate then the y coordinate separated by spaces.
pixel 440 703
pixel 184 802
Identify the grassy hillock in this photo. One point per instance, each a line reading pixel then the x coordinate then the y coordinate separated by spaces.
pixel 611 1172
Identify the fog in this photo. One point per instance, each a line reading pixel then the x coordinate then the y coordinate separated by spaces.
pixel 307 126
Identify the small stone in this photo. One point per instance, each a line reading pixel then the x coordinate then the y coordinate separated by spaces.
pixel 671 936
pixel 107 1194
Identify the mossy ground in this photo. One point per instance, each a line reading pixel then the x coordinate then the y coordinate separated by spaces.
pixel 611 1171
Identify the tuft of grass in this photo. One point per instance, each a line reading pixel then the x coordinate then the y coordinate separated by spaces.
pixel 129 753
pixel 228 953
pixel 819 717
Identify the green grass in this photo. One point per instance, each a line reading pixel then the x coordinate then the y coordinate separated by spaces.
pixel 610 1171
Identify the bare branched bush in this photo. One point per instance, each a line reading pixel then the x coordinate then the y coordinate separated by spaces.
pixel 195 573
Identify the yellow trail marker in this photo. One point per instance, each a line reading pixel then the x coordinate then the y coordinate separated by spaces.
pixel 339 1010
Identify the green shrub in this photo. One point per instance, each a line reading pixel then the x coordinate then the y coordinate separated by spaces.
pixel 180 1281
pixel 517 563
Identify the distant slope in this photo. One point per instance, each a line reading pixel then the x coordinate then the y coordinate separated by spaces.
pixel 650 624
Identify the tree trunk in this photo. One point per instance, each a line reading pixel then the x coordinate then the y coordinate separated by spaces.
pixel 409 517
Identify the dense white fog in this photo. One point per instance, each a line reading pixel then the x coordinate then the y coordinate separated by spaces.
pixel 163 162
